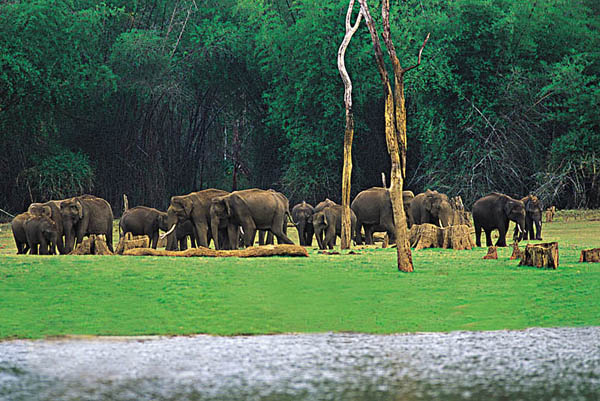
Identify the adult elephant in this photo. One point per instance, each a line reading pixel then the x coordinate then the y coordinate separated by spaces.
pixel 196 208
pixel 373 209
pixel 250 209
pixel 143 220
pixel 42 235
pixel 18 229
pixel 85 215
pixel 269 235
pixel 177 240
pixel 329 222
pixel 533 219
pixel 52 210
pixel 495 211
pixel 320 206
pixel 302 216
pixel 431 207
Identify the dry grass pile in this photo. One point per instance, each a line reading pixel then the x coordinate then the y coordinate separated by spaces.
pixel 251 252
pixel 430 236
pixel 93 245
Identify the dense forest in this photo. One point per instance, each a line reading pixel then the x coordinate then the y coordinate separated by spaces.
pixel 162 97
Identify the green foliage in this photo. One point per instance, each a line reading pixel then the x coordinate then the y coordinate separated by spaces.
pixel 58 176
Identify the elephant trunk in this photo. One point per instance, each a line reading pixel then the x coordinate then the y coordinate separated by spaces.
pixel 214 228
pixel 69 231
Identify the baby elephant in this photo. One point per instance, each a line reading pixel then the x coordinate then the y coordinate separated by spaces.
pixel 18 229
pixel 329 221
pixel 42 234
pixel 143 220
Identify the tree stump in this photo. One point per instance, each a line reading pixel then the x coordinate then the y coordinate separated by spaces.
pixel 550 214
pixel 517 253
pixel 541 255
pixel 590 255
pixel 130 241
pixel 430 236
pixel 93 245
pixel 492 253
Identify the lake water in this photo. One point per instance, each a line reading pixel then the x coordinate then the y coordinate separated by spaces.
pixel 534 364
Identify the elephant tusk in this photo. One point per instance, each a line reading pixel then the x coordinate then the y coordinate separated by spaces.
pixel 519 228
pixel 441 224
pixel 242 230
pixel 162 236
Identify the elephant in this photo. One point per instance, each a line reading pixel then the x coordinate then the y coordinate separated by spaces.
pixel 373 209
pixel 52 210
pixel 178 240
pixel 533 219
pixel 42 234
pixel 301 214
pixel 85 215
pixel 320 206
pixel 431 207
pixel 494 211
pixel 269 234
pixel 250 209
pixel 18 229
pixel 329 222
pixel 196 207
pixel 143 220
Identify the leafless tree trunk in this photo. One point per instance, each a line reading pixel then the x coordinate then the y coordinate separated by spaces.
pixel 349 131
pixel 395 126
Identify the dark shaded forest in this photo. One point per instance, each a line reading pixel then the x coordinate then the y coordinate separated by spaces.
pixel 164 97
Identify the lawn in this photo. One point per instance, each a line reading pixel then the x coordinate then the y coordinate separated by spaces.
pixel 450 290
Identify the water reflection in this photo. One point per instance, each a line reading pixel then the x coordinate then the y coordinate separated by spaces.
pixel 535 364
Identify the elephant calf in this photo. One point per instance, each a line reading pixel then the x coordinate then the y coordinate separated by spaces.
pixel 301 214
pixel 18 229
pixel 42 234
pixel 329 222
pixel 533 219
pixel 143 220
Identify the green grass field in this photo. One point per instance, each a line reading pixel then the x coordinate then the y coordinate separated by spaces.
pixel 450 290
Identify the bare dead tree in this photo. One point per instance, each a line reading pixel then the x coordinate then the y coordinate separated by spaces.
pixel 395 126
pixel 349 131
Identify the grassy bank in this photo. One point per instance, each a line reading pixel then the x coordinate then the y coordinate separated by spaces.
pixel 450 290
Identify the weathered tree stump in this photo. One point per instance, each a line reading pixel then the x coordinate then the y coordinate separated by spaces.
pixel 93 245
pixel 550 212
pixel 590 255
pixel 130 241
pixel 541 255
pixel 492 253
pixel 253 251
pixel 430 236
pixel 517 253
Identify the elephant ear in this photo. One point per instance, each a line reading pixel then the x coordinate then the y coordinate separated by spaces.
pixel 188 205
pixel 79 207
pixel 227 203
pixel 47 211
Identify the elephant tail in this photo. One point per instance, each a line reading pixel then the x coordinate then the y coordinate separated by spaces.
pixel 289 216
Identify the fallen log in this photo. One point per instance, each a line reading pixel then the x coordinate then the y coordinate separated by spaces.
pixel 590 255
pixel 430 236
pixel 541 255
pixel 250 252
pixel 129 241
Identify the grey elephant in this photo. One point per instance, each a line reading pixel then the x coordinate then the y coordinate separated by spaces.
pixel 431 207
pixel 320 206
pixel 495 211
pixel 302 216
pixel 328 223
pixel 84 215
pixel 18 229
pixel 143 220
pixel 373 209
pixel 250 209
pixel 178 239
pixel 269 235
pixel 196 208
pixel 52 210
pixel 42 235
pixel 533 219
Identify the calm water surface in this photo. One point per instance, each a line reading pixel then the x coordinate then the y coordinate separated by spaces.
pixel 535 364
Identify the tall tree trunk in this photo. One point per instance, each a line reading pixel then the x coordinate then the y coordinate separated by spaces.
pixel 349 131
pixel 395 127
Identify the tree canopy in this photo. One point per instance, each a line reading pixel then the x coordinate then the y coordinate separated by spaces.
pixel 165 97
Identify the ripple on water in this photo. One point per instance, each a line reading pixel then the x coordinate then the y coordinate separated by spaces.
pixel 535 364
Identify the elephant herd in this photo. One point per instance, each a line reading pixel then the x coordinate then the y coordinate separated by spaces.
pixel 233 219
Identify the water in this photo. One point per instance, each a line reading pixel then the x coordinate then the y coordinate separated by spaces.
pixel 535 364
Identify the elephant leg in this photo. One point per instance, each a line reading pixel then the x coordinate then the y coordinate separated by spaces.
pixel 502 235
pixel 193 242
pixel 369 234
pixel 330 237
pixel 154 242
pixel 249 235
pixel 282 238
pixel 488 237
pixel 33 249
pixel 319 235
pixel 43 247
pixel 183 243
pixel 538 233
pixel 358 238
pixel 477 235
pixel 201 234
